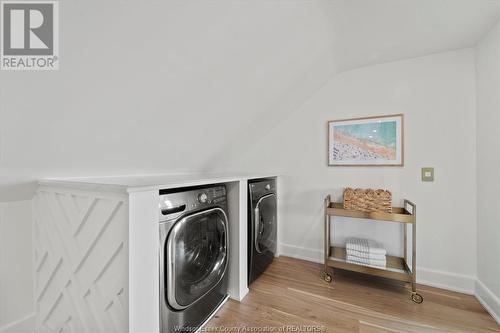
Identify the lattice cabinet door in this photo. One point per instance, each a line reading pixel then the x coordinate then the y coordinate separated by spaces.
pixel 81 261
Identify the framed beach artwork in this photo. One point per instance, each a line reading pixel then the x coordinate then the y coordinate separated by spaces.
pixel 371 141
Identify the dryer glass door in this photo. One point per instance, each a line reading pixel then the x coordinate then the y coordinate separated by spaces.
pixel 265 224
pixel 197 256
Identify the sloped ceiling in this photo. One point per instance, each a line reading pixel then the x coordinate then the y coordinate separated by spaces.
pixel 181 86
pixel 369 32
pixel 386 30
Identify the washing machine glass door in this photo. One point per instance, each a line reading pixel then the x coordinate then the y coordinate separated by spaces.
pixel 265 224
pixel 197 256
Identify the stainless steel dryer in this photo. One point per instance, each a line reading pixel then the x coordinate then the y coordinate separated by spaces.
pixel 194 256
pixel 262 226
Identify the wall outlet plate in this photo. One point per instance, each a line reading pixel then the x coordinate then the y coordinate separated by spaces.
pixel 427 174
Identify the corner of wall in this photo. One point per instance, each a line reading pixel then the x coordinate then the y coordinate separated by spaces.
pixel 17 302
pixel 487 81
pixel 487 299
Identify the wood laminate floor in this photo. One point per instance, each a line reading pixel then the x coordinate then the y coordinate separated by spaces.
pixel 291 297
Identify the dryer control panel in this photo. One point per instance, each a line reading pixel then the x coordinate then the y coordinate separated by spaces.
pixel 262 187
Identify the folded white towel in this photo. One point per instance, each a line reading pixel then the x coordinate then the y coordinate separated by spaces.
pixel 367 265
pixel 365 245
pixel 366 255
pixel 368 262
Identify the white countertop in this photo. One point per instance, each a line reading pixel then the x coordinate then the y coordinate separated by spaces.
pixel 133 183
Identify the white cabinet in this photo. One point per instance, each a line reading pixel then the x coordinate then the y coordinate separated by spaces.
pixel 97 245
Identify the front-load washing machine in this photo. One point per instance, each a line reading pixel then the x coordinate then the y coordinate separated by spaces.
pixel 194 256
pixel 262 226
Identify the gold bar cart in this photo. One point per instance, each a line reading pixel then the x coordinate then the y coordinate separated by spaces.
pixel 397 267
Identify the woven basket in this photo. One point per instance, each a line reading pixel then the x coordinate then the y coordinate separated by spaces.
pixel 368 200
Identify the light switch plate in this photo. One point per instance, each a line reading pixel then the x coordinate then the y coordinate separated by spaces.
pixel 427 174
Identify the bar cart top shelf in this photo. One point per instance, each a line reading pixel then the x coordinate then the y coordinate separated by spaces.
pixel 399 214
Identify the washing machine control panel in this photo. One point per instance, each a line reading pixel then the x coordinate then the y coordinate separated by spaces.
pixel 202 197
pixel 174 204
pixel 211 196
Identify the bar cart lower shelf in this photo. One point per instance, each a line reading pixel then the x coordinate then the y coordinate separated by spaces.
pixel 397 268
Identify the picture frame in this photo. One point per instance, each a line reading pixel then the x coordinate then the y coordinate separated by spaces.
pixel 367 141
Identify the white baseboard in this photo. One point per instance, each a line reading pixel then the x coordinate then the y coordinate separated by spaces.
pixel 489 300
pixel 303 253
pixel 23 325
pixel 461 283
pixel 434 278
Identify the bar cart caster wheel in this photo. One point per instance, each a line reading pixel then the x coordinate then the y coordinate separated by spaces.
pixel 327 277
pixel 417 298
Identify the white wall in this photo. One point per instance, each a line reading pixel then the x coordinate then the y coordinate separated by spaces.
pixel 488 176
pixel 437 95
pixel 153 86
pixel 16 263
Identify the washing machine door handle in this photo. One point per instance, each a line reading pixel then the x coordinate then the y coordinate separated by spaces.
pixel 257 218
pixel 256 228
